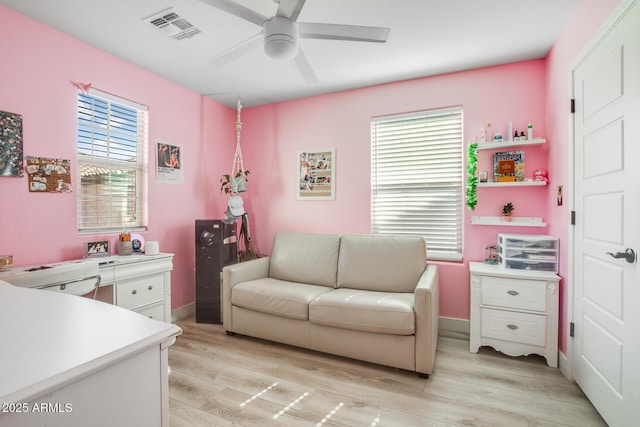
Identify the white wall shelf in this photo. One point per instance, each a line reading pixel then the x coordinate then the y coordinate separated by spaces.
pixel 512 184
pixel 507 144
pixel 516 221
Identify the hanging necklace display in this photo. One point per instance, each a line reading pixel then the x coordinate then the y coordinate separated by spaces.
pixel 236 181
pixel 238 173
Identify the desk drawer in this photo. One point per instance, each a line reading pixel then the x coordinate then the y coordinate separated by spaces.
pixel 140 292
pixel 156 312
pixel 514 294
pixel 510 326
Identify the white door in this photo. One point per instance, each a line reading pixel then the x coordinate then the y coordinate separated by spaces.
pixel 606 347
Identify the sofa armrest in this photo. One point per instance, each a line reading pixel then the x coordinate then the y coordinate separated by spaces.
pixel 427 311
pixel 238 273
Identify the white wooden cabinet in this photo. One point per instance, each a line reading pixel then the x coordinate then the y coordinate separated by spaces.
pixel 514 311
pixel 141 283
pixel 70 361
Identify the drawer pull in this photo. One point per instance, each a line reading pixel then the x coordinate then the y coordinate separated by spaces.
pixel 512 326
pixel 513 293
pixel 150 287
pixel 133 292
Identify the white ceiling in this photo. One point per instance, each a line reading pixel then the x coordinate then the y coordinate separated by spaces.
pixel 428 37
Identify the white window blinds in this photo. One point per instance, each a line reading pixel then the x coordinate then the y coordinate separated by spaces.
pixel 112 134
pixel 417 185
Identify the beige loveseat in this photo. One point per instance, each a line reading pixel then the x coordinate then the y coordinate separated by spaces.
pixel 367 297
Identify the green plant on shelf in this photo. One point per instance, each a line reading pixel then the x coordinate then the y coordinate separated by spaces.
pixel 508 209
pixel 472 176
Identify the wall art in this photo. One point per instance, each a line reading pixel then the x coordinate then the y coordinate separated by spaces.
pixel 49 175
pixel 316 171
pixel 11 144
pixel 169 163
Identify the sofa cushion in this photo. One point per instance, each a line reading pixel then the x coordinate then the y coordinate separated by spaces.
pixel 369 311
pixel 381 263
pixel 278 297
pixel 305 258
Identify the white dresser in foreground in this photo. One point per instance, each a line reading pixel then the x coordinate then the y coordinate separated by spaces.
pixel 514 311
pixel 68 361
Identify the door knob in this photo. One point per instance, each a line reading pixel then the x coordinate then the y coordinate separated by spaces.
pixel 628 255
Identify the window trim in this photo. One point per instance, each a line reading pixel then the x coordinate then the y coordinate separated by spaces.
pixel 455 143
pixel 140 167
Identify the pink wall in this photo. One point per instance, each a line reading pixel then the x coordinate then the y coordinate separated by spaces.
pixel 588 17
pixel 37 69
pixel 273 134
pixel 533 91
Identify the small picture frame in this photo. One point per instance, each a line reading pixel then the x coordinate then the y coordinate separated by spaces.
pixel 96 249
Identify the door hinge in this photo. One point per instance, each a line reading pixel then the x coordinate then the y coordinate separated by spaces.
pixel 573 105
pixel 573 217
pixel 571 329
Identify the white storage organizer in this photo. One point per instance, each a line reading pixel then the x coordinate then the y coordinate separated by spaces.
pixel 528 252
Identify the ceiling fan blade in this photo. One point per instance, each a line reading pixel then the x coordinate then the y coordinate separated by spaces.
pixel 238 50
pixel 303 66
pixel 237 10
pixel 290 9
pixel 343 32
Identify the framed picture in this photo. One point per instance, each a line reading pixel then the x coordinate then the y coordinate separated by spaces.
pixel 94 249
pixel 316 172
pixel 169 168
pixel 11 156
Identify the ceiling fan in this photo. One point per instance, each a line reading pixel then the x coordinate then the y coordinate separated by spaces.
pixel 280 34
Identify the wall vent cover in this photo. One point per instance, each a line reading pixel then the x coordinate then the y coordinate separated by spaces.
pixel 173 24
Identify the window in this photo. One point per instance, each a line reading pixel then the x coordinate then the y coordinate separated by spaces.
pixel 112 136
pixel 417 179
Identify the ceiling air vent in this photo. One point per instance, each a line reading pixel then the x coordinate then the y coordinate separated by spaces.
pixel 173 24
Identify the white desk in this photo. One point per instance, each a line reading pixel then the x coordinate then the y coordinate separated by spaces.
pixel 141 283
pixel 71 361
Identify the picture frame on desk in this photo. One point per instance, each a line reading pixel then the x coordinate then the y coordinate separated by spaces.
pixel 96 249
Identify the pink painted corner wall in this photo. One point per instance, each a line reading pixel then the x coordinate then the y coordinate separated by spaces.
pixel 37 71
pixel 37 68
pixel 273 135
pixel 586 20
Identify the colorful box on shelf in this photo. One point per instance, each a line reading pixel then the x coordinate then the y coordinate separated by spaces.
pixel 508 166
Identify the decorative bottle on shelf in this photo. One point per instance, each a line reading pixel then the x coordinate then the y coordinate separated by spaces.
pixel 530 132
pixel 510 132
pixel 483 136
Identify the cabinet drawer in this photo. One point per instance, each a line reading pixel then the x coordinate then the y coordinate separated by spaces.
pixel 522 328
pixel 140 292
pixel 155 312
pixel 514 294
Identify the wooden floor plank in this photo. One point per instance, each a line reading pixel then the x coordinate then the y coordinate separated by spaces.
pixel 221 380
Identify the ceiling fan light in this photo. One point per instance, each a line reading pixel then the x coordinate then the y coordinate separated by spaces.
pixel 280 47
pixel 280 38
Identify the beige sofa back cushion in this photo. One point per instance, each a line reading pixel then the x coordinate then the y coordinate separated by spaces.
pixel 305 258
pixel 381 263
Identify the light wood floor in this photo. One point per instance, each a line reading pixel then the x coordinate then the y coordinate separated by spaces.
pixel 220 380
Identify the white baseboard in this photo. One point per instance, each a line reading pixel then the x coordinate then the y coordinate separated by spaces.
pixel 563 364
pixel 182 312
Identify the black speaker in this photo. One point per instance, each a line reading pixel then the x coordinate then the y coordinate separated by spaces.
pixel 216 246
